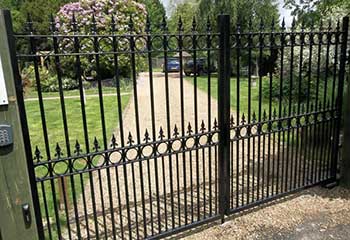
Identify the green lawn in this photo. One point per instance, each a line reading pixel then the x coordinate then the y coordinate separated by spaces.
pixel 202 83
pixel 89 91
pixel 75 128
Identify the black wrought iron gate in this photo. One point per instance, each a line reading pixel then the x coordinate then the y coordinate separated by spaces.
pixel 277 130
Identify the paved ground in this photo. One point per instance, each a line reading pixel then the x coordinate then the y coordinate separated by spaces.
pixel 315 214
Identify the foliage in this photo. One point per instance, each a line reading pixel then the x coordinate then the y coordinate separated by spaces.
pixel 186 11
pixel 156 11
pixel 316 10
pixel 96 16
pixel 240 11
pixel 48 81
pixel 288 89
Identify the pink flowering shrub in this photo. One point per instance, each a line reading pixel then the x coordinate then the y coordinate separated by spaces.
pixel 103 10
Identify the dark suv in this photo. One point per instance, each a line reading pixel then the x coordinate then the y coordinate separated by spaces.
pixel 202 67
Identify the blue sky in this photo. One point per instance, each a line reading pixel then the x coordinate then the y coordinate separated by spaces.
pixel 283 12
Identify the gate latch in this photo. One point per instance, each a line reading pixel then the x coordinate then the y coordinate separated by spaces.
pixel 26 214
pixel 6 135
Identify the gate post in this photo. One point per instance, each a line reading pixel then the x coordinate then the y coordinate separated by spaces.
pixel 224 114
pixel 345 180
pixel 17 215
pixel 342 66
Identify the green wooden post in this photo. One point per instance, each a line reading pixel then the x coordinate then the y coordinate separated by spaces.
pixel 15 187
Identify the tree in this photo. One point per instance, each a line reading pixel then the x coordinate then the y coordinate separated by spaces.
pixel 315 10
pixel 98 16
pixel 156 11
pixel 187 12
pixel 242 11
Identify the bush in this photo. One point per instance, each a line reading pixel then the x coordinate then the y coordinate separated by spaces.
pixel 287 89
pixel 103 10
pixel 48 80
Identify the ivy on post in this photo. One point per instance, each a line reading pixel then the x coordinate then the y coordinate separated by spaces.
pixel 18 217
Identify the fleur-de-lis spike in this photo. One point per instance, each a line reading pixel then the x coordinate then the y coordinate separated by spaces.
pixel 77 150
pixel 113 24
pixel 194 24
pixel 284 111
pixel 293 24
pixel 74 23
pixel 312 107
pixel 303 26
pixel 37 154
pixel 208 24
pixel 147 138
pixel 303 108
pixel 250 25
pixel 232 121
pixel 58 149
pixel 161 133
pixel 180 25
pixel 189 129
pixel 176 131
pixel 215 127
pixel 243 119
pixel 52 24
pixel 29 24
pixel 261 25
pixel 130 139
pixel 338 25
pixel 283 25
pixel 164 24
pixel 114 142
pixel 93 24
pixel 254 117
pixel 264 115
pixel 131 24
pixel 202 127
pixel 238 26
pixel 148 24
pixel 96 145
pixel 321 25
pixel 312 25
pixel 329 25
pixel 274 114
pixel 273 24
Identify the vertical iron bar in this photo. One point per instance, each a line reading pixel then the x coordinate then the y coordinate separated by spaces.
pixel 307 167
pixel 183 130
pixel 224 113
pixel 292 39
pixel 261 46
pixel 250 45
pixel 64 119
pixel 103 126
pixel 342 65
pixel 84 119
pixel 168 114
pixel 298 164
pixel 33 50
pixel 121 132
pixel 238 52
pixel 280 123
pixel 150 70
pixel 137 121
